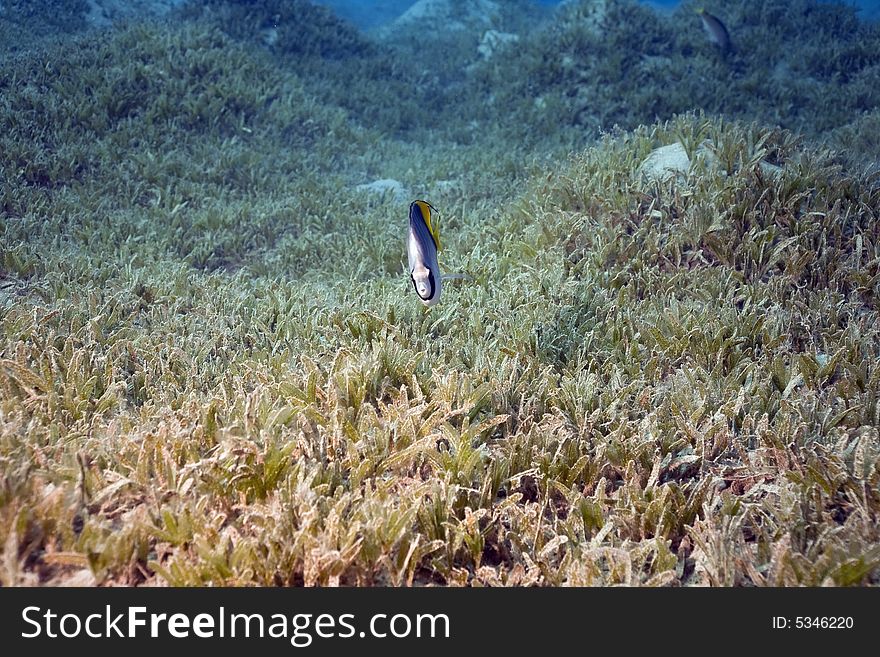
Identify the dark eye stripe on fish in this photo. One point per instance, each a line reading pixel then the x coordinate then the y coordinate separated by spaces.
pixel 431 287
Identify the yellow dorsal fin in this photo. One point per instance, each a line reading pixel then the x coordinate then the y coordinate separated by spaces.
pixel 426 209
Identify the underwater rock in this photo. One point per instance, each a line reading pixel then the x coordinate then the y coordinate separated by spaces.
pixel 493 40
pixel 665 162
pixel 453 15
pixel 672 161
pixel 770 169
pixel 383 187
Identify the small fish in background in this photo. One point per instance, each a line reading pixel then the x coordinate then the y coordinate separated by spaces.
pixel 422 246
pixel 715 30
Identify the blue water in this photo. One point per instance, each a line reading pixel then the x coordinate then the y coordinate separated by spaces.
pixel 370 13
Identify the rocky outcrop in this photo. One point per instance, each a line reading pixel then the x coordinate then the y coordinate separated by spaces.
pixel 493 40
pixel 448 15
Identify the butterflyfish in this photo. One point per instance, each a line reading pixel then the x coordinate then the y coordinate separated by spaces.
pixel 422 245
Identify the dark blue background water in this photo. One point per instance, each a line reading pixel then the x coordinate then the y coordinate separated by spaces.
pixel 369 13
